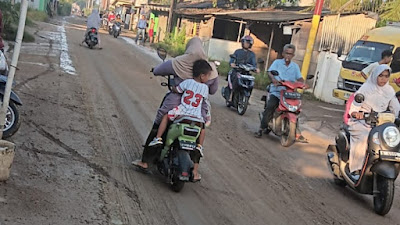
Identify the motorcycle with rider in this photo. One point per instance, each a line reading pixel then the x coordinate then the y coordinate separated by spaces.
pixel 240 80
pixel 283 103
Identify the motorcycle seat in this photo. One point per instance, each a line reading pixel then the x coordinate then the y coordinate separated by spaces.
pixel 189 120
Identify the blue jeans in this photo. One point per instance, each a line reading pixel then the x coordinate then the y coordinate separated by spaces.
pixel 140 31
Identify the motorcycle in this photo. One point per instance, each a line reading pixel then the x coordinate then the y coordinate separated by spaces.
pixel 91 38
pixel 115 30
pixel 13 120
pixel 174 162
pixel 242 83
pixel 382 159
pixel 284 120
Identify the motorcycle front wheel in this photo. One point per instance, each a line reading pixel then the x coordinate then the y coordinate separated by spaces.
pixel 12 122
pixel 288 133
pixel 384 198
pixel 242 103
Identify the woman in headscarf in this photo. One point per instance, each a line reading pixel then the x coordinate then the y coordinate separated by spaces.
pixel 181 67
pixel 379 96
pixel 93 21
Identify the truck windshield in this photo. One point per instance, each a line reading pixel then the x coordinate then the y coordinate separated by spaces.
pixel 366 52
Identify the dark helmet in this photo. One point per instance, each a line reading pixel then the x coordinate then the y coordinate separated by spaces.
pixel 248 39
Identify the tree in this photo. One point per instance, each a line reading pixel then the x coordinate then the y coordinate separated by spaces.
pixel 391 11
pixel 263 3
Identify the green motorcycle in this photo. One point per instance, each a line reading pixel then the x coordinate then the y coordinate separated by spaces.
pixel 175 160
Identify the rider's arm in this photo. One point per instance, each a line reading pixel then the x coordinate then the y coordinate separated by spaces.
pixel 253 61
pixel 274 66
pixel 213 86
pixel 394 106
pixel 232 60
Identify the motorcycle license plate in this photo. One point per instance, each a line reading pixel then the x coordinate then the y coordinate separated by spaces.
pixel 389 156
pixel 187 145
pixel 292 95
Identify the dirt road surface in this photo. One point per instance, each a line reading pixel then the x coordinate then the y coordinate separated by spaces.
pixel 82 129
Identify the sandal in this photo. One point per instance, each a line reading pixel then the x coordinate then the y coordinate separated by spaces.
pixel 301 139
pixel 140 168
pixel 196 180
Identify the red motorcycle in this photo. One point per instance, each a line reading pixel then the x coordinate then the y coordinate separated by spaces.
pixel 284 121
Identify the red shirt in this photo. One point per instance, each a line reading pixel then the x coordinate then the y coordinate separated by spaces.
pixel 111 17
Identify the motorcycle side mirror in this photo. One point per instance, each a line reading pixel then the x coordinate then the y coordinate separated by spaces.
pixel 310 76
pixel 359 98
pixel 162 53
pixel 274 73
pixel 260 61
pixel 340 52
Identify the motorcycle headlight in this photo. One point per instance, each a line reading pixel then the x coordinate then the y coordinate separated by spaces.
pixel 291 108
pixel 391 135
pixel 340 82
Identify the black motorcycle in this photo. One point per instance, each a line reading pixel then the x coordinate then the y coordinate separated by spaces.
pixel 13 120
pixel 116 29
pixel 382 159
pixel 242 85
pixel 91 38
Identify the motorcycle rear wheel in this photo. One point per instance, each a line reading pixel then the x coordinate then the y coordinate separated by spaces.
pixel 176 184
pixel 384 199
pixel 242 103
pixel 288 133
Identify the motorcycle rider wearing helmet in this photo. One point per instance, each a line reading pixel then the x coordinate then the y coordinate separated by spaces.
pixel 242 56
pixel 288 71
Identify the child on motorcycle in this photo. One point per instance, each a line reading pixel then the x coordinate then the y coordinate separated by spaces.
pixel 194 91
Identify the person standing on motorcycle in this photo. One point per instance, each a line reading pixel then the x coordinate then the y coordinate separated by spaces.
pixel 379 96
pixel 93 21
pixel 242 56
pixel 288 71
pixel 182 68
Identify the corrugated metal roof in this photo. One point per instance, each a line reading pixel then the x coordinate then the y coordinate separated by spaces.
pixel 269 16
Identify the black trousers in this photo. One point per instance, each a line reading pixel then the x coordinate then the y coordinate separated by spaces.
pixel 272 104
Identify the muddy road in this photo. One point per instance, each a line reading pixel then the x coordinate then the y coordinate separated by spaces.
pixel 81 131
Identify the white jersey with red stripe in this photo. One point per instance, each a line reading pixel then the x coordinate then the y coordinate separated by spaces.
pixel 194 93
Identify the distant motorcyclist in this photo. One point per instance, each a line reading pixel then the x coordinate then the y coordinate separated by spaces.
pixel 93 21
pixel 288 71
pixel 241 56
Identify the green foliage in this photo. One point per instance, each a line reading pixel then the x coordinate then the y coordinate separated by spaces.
pixel 175 44
pixel 10 22
pixel 10 13
pixel 261 81
pixel 64 8
pixel 223 68
pixel 264 3
pixel 37 15
pixel 391 11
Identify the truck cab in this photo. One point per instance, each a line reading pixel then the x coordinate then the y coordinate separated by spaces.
pixel 365 51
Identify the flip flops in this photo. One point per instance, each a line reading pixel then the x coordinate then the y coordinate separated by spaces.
pixel 139 168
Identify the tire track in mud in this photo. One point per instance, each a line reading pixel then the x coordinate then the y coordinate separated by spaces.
pixel 78 157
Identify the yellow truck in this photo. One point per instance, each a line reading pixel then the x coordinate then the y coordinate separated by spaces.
pixel 365 51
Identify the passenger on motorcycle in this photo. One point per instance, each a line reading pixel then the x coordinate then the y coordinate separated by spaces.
pixel 93 21
pixel 194 92
pixel 288 71
pixel 242 56
pixel 379 96
pixel 182 68
pixel 118 19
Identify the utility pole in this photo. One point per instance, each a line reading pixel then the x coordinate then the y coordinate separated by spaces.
pixel 311 38
pixel 13 66
pixel 171 15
